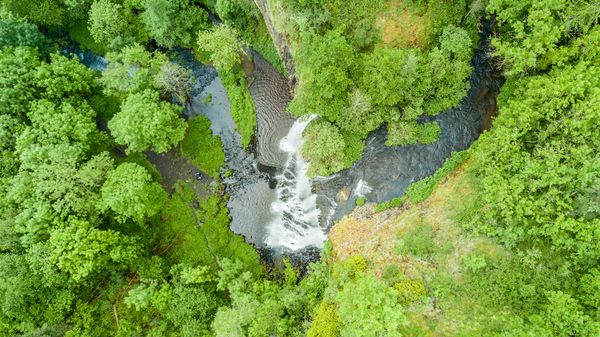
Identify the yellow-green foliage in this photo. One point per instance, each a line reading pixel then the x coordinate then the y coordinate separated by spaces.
pixel 410 291
pixel 351 266
pixel 326 322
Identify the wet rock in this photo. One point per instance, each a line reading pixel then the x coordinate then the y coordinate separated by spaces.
pixel 280 40
pixel 343 195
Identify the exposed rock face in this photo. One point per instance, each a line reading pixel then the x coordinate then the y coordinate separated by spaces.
pixel 271 95
pixel 280 40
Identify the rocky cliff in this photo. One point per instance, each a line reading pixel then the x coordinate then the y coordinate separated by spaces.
pixel 280 39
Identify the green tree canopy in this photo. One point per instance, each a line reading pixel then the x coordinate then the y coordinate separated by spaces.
pixel 323 71
pixel 223 47
pixel 174 22
pixel 130 192
pixel 390 74
pixel 540 170
pixel 368 307
pixel 15 31
pixel 71 122
pixel 145 122
pixel 80 250
pixel 175 82
pixel 324 148
pixel 115 25
pixel 132 70
pixel 64 77
pixel 17 79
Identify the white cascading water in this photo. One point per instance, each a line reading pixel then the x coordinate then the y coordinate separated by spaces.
pixel 362 188
pixel 296 223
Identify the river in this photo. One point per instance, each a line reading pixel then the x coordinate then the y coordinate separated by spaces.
pixel 278 209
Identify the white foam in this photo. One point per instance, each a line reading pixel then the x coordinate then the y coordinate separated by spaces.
pixel 362 188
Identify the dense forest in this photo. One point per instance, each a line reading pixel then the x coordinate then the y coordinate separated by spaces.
pixel 95 240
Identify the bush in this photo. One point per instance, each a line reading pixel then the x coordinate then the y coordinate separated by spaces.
pixel 428 133
pixel 474 262
pixel 402 133
pixel 418 242
pixel 396 202
pixel 326 322
pixel 360 201
pixel 349 268
pixel 410 291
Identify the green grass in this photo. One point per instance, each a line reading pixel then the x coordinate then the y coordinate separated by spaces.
pixel 203 149
pixel 242 105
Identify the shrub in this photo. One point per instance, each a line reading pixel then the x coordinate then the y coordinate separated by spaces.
pixel 410 291
pixel 402 133
pixel 417 242
pixel 428 133
pixel 324 147
pixel 474 262
pixel 396 202
pixel 326 322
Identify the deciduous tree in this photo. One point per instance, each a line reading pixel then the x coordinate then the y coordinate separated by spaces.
pixel 174 22
pixel 145 122
pixel 130 192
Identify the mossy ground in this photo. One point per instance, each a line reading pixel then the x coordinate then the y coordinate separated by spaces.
pixel 203 149
pixel 426 242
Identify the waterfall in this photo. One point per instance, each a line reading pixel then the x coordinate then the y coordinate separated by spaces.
pixel 362 188
pixel 296 216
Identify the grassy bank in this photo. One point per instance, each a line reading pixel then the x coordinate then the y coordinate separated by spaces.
pixel 203 149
